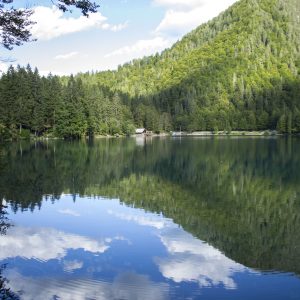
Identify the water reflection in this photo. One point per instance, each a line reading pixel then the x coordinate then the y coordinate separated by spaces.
pixel 165 219
pixel 194 260
pixel 125 286
pixel 45 244
pixel 5 291
pixel 134 260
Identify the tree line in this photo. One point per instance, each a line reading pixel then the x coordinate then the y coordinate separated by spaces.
pixel 32 104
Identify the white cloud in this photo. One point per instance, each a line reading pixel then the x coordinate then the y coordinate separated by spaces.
pixel 144 220
pixel 69 212
pixel 3 67
pixel 66 56
pixel 183 16
pixel 70 266
pixel 193 260
pixel 180 3
pixel 51 23
pixel 117 27
pixel 125 286
pixel 141 48
pixel 45 243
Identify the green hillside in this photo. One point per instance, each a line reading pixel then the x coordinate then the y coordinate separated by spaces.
pixel 239 71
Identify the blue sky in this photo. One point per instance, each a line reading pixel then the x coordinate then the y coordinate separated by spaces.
pixel 120 31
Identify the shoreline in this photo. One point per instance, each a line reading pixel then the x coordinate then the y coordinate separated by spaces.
pixel 172 134
pixel 226 133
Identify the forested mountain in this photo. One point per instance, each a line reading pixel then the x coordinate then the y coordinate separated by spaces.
pixel 239 71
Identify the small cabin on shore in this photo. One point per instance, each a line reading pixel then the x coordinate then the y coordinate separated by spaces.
pixel 140 131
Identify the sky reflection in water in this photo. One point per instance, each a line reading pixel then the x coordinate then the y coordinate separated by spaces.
pixel 197 219
pixel 100 249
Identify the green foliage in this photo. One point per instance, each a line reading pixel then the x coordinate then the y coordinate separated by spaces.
pixel 4 133
pixel 33 104
pixel 25 134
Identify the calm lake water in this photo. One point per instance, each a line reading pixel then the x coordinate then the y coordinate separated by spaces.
pixel 151 219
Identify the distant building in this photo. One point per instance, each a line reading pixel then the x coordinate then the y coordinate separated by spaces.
pixel 140 131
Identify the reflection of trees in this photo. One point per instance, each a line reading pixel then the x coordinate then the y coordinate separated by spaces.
pixel 41 169
pixel 4 221
pixel 261 232
pixel 240 195
pixel 5 292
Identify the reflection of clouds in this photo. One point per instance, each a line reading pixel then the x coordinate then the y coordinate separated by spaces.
pixel 190 259
pixel 45 243
pixel 69 212
pixel 117 238
pixel 193 260
pixel 144 220
pixel 70 266
pixel 125 286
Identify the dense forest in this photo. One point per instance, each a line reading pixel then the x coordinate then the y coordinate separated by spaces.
pixel 239 71
pixel 34 104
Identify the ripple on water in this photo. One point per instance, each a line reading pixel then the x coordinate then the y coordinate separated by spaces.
pixel 128 285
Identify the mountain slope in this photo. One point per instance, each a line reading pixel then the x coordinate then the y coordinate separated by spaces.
pixel 240 70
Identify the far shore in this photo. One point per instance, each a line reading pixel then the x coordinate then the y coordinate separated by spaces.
pixel 176 134
pixel 226 133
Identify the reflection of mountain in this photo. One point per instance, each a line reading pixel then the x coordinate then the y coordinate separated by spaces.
pixel 241 196
pixel 260 233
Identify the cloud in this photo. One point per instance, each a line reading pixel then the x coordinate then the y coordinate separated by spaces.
pixel 193 260
pixel 183 16
pixel 128 285
pixel 141 48
pixel 143 220
pixel 70 266
pixel 51 23
pixel 66 56
pixel 3 67
pixel 179 3
pixel 69 212
pixel 115 28
pixel 45 243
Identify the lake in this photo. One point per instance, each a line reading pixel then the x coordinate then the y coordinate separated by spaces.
pixel 155 218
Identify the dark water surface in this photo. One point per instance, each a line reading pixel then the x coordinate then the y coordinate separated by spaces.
pixel 151 219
